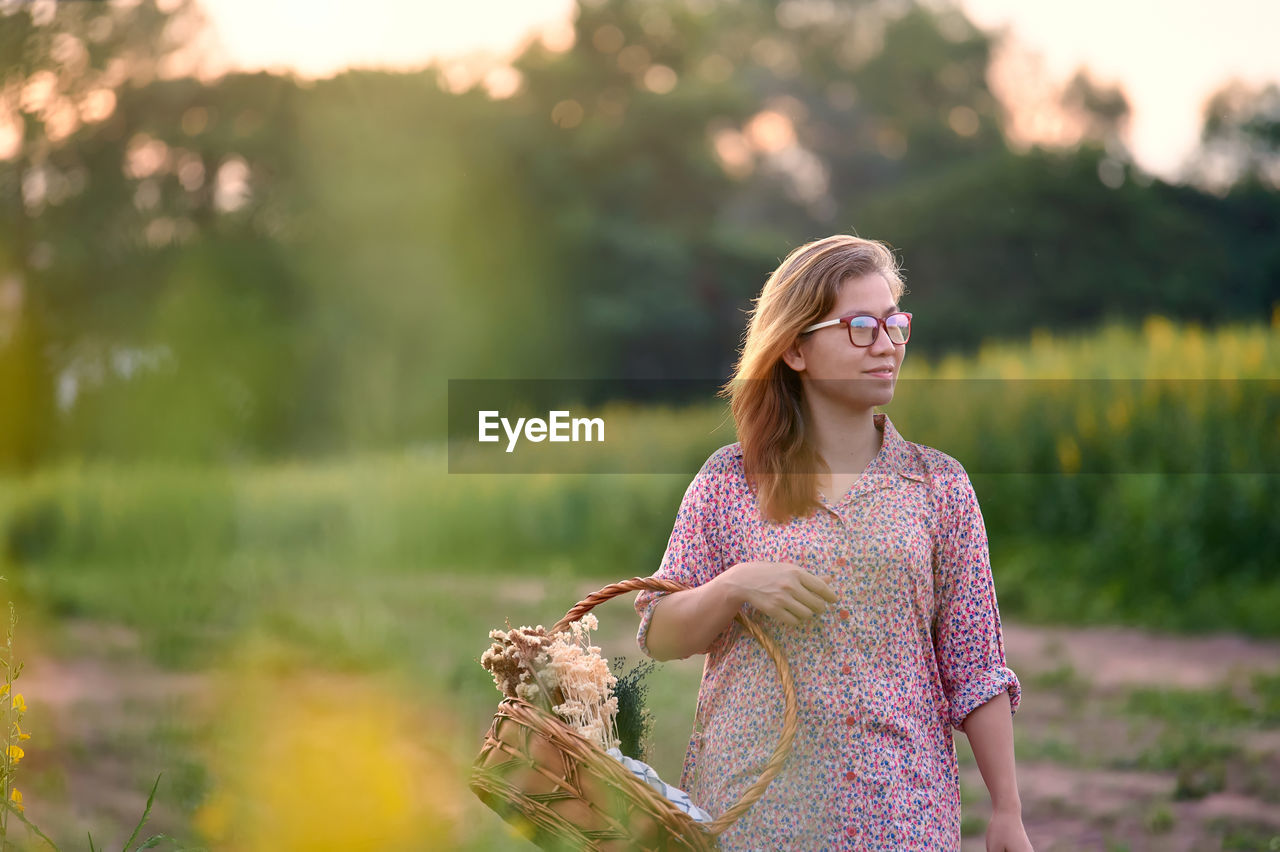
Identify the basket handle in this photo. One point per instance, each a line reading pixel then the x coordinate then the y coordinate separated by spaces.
pixel 782 751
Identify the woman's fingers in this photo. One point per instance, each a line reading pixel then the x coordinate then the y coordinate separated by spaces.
pixel 786 617
pixel 798 609
pixel 781 606
pixel 792 595
pixel 816 585
pixel 815 604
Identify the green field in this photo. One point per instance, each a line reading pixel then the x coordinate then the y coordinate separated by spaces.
pixel 275 636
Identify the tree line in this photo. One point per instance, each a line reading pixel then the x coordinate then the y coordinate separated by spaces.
pixel 260 265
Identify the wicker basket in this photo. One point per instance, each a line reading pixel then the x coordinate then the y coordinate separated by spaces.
pixel 563 792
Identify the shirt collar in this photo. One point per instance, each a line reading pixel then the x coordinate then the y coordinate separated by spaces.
pixel 896 453
pixel 897 459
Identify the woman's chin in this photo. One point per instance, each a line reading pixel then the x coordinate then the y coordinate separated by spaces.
pixel 872 400
pixel 882 395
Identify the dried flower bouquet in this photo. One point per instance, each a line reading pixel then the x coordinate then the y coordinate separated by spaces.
pixel 562 673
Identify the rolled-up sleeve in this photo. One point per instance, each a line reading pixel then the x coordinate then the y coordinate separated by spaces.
pixel 693 554
pixel 967 637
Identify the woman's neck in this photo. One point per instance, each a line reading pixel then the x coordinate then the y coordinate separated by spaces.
pixel 846 441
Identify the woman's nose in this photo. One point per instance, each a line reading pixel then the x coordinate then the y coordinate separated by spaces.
pixel 882 344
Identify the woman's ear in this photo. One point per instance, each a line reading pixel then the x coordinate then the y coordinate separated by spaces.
pixel 793 357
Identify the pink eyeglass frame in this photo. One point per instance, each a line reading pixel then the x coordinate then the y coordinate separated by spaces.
pixel 875 334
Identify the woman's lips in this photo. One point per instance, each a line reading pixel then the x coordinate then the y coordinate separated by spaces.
pixel 880 374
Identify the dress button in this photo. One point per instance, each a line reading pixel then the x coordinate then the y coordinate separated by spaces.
pixel 852 831
pixel 850 721
pixel 844 614
pixel 850 775
pixel 842 562
pixel 846 669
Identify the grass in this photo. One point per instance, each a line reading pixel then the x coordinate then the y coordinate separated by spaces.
pixel 972 825
pixel 1200 734
pixel 1058 749
pixel 1246 835
pixel 378 577
pixel 1158 819
pixel 1223 706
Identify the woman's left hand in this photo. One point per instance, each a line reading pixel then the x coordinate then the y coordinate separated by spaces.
pixel 1006 834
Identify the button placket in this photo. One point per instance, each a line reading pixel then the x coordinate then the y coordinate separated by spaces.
pixel 844 615
pixel 841 638
pixel 850 686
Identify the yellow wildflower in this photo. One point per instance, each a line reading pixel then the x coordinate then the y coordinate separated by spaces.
pixel 21 735
pixel 16 795
pixel 19 703
pixel 16 753
pixel 4 690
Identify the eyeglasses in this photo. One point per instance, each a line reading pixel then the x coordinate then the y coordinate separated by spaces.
pixel 865 328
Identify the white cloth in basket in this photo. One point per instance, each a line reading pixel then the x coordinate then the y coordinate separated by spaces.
pixel 677 797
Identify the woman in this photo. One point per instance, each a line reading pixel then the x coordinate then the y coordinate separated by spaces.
pixel 865 556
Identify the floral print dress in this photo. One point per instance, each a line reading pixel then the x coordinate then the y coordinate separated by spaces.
pixel 912 646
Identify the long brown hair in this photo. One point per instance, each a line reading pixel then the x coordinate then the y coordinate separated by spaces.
pixel 765 395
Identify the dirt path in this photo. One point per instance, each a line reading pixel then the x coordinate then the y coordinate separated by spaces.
pixel 106 691
pixel 1112 657
pixel 1068 676
pixel 93 720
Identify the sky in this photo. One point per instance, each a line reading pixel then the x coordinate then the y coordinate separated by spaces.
pixel 1167 55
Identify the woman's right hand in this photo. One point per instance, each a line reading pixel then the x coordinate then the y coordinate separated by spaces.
pixel 781 590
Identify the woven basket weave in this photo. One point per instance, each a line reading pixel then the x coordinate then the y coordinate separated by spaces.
pixel 563 792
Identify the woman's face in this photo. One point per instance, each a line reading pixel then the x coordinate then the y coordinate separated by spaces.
pixel 830 366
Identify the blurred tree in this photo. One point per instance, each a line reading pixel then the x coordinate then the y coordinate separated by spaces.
pixel 1240 137
pixel 255 264
pixel 211 313
pixel 26 396
pixel 1049 239
pixel 682 148
pixel 927 92
pixel 134 190
pixel 611 139
pixel 425 260
pixel 62 66
pixel 1101 111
